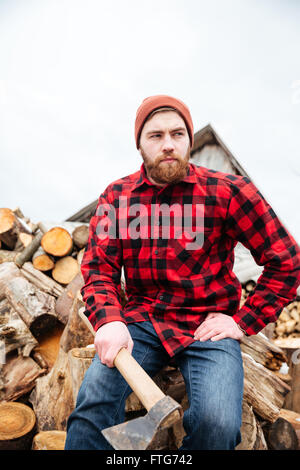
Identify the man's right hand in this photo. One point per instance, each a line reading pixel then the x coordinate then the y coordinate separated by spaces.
pixel 109 339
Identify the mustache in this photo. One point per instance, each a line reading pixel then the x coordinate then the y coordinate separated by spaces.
pixel 163 157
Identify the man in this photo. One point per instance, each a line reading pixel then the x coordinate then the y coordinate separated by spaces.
pixel 183 298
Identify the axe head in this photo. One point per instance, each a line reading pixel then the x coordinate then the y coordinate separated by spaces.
pixel 137 434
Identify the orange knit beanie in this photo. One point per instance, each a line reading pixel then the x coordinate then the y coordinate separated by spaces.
pixel 160 101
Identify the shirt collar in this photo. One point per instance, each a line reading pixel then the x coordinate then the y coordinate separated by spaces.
pixel 143 179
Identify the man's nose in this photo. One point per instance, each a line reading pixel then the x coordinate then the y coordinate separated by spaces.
pixel 168 144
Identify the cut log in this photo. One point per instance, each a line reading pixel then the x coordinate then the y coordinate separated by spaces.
pixel 76 334
pixel 263 351
pixel 49 440
pixel 294 419
pixel 65 270
pixel 42 261
pixel 281 435
pixel 263 390
pixel 14 332
pixel 80 256
pixel 8 271
pixel 24 239
pixel 17 426
pixel 41 280
pixel 35 308
pixel 57 242
pixel 66 299
pixel 18 377
pixel 29 251
pixel 80 236
pixel 10 227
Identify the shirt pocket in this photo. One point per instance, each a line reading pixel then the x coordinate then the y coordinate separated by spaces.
pixel 191 257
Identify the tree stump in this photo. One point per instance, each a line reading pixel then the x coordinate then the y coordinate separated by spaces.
pixel 49 440
pixel 17 426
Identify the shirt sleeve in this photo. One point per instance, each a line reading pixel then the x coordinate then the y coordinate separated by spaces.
pixel 252 221
pixel 101 267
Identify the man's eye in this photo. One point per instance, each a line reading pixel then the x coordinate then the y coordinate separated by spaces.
pixel 155 135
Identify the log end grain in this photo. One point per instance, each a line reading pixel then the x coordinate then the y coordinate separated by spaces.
pixel 57 242
pixel 49 440
pixel 17 424
pixel 65 270
pixel 43 263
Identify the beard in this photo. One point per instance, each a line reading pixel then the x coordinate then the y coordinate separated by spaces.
pixel 166 173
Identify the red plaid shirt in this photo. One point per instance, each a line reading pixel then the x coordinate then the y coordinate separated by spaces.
pixel 176 287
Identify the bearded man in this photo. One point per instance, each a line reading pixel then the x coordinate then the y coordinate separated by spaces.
pixel 183 298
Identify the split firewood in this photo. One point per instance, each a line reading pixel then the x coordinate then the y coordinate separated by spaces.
pixel 65 270
pixel 24 239
pixel 57 242
pixel 14 332
pixel 34 307
pixel 10 228
pixel 49 440
pixel 263 390
pixel 251 431
pixel 52 397
pixel 66 299
pixel 80 236
pixel 263 351
pixel 41 280
pixel 42 261
pixel 18 377
pixel 76 334
pixel 17 426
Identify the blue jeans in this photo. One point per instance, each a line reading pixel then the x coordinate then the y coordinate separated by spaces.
pixel 213 375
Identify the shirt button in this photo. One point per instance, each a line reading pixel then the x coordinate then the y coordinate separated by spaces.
pixel 161 297
pixel 156 252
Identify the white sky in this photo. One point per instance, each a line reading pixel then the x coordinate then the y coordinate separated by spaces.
pixel 73 73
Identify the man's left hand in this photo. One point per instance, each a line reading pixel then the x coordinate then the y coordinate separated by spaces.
pixel 218 326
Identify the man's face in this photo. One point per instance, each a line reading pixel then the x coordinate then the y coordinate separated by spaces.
pixel 165 148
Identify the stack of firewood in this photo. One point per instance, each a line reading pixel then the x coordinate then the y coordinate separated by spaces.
pixel 54 249
pixel 45 349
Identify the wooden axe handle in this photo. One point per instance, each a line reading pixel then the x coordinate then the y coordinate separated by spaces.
pixel 141 383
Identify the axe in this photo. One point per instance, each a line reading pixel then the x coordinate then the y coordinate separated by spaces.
pixel 163 411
